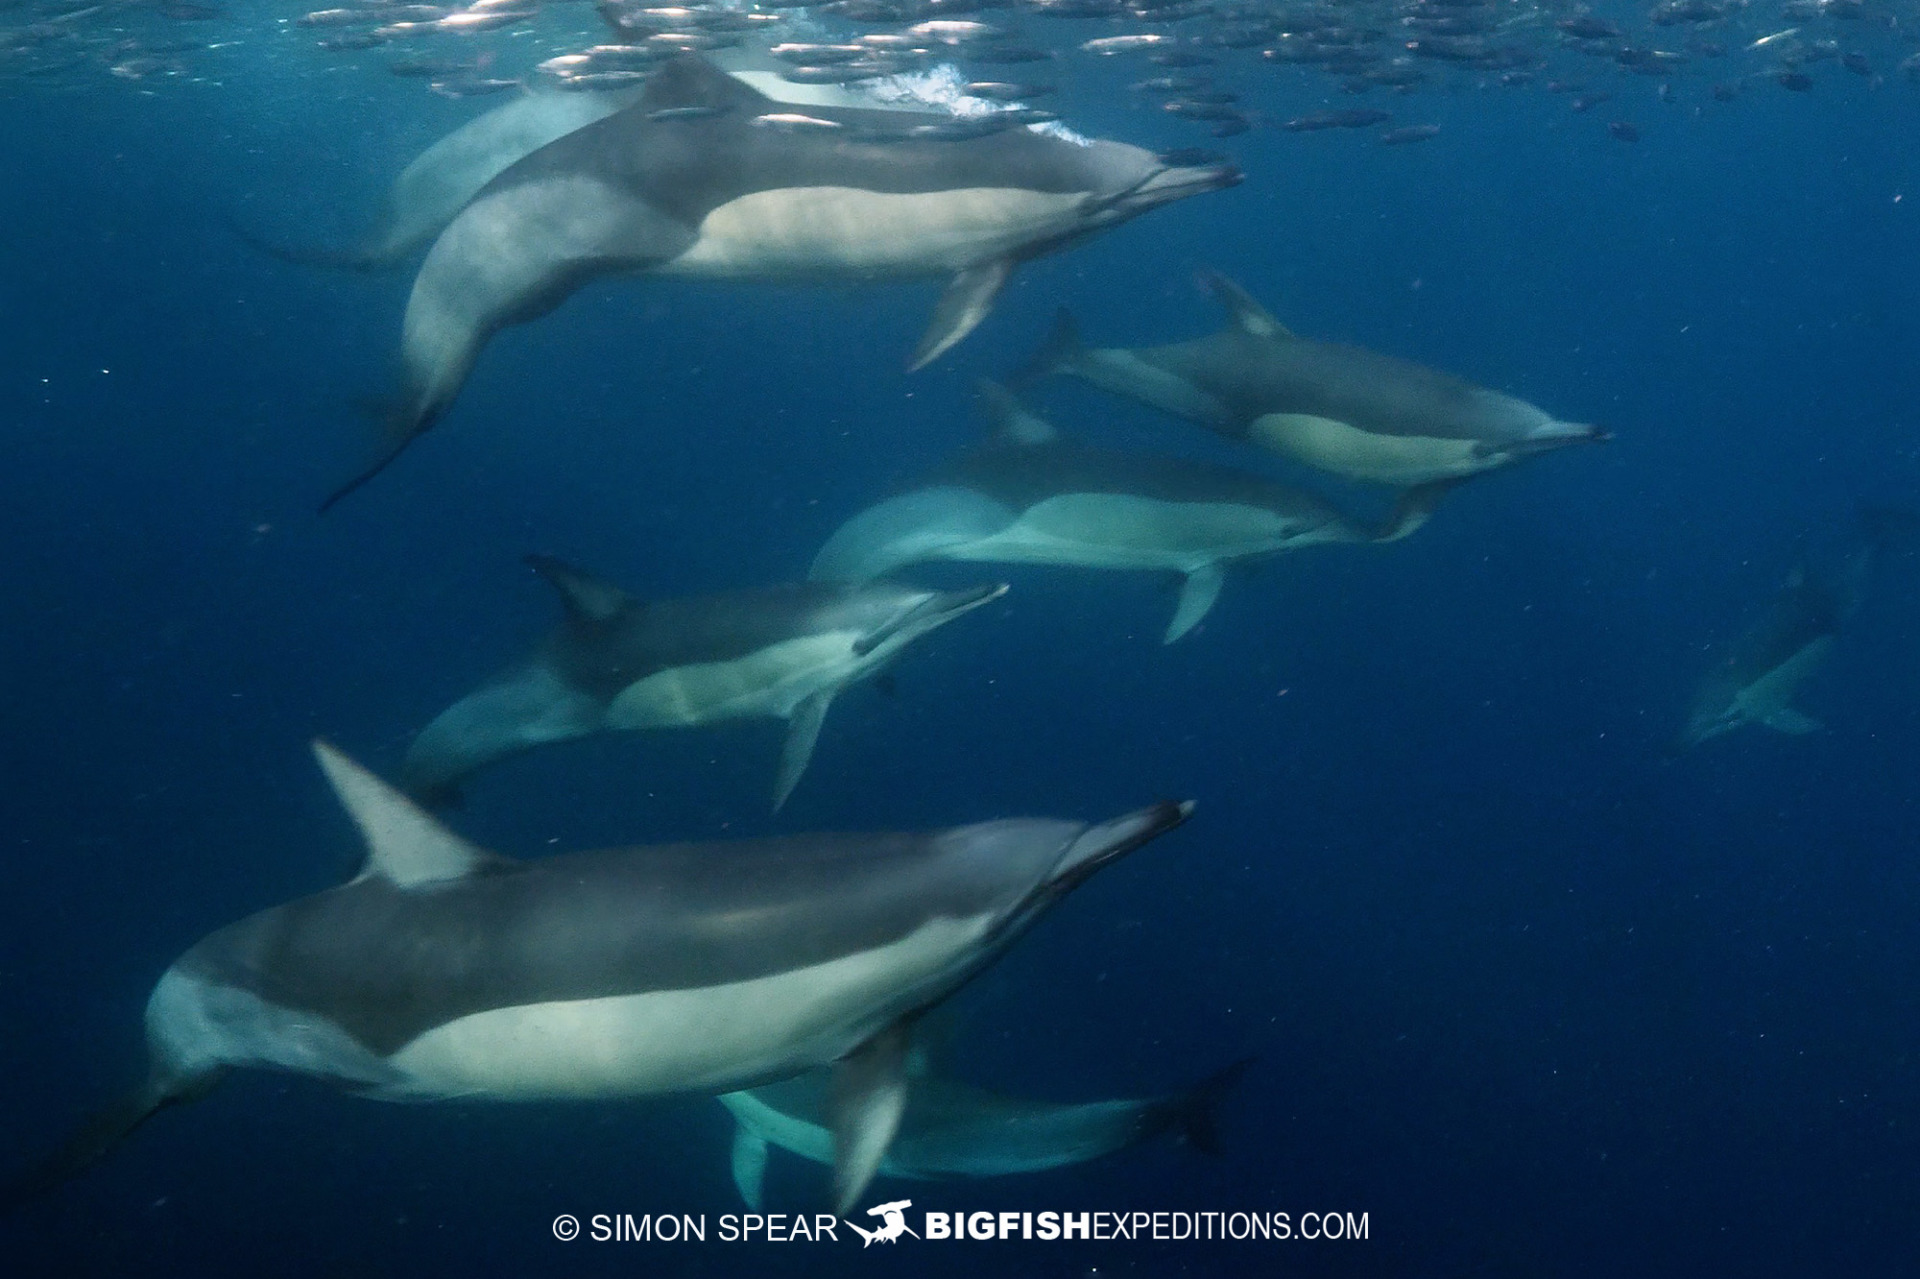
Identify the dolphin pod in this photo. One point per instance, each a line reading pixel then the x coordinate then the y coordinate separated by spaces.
pixel 616 663
pixel 444 971
pixel 1031 497
pixel 1353 412
pixel 952 1129
pixel 701 178
pixel 783 975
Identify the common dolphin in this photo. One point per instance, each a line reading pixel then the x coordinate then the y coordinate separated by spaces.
pixel 443 971
pixel 952 1129
pixel 1344 409
pixel 1764 670
pixel 705 177
pixel 620 663
pixel 1031 497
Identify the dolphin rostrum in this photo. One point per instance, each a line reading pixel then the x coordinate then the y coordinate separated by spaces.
pixel 443 971
pixel 706 177
pixel 620 663
pixel 1032 497
pixel 1350 411
pixel 951 1129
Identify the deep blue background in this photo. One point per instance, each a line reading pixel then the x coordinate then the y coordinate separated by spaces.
pixel 1533 998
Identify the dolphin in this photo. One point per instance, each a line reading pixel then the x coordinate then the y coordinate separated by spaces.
pixel 617 663
pixel 1767 666
pixel 1343 409
pixel 705 177
pixel 439 182
pixel 1032 497
pixel 443 971
pixel 952 1129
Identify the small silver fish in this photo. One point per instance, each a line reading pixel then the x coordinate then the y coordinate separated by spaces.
pixel 794 122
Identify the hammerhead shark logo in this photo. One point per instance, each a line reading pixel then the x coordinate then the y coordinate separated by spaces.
pixel 893 1223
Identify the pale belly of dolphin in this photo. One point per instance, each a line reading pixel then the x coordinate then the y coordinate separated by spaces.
pixel 1402 460
pixel 815 231
pixel 710 1039
pixel 707 1039
pixel 1099 530
pixel 768 681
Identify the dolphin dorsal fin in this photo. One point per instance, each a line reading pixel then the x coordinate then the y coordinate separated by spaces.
pixel 1013 422
pixel 692 81
pixel 1247 315
pixel 585 597
pixel 404 845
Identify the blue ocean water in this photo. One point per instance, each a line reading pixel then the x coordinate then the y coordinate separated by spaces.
pixel 1533 996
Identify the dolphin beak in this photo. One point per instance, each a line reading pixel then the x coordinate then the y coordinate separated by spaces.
pixel 1169 185
pixel 954 603
pixel 1110 841
pixel 936 610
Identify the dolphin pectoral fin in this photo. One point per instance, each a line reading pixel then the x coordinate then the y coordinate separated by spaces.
pixel 749 1165
pixel 1248 315
pixel 1788 720
pixel 869 1097
pixel 1415 508
pixel 803 730
pixel 960 309
pixel 1197 598
pixel 102 1131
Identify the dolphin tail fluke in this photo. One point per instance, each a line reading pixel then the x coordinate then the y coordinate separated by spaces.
pixel 1197 1111
pixel 400 428
pixel 356 259
pixel 101 1132
pixel 961 308
pixel 1060 353
pixel 1415 507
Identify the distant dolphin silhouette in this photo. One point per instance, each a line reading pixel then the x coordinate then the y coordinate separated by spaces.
pixel 1764 670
